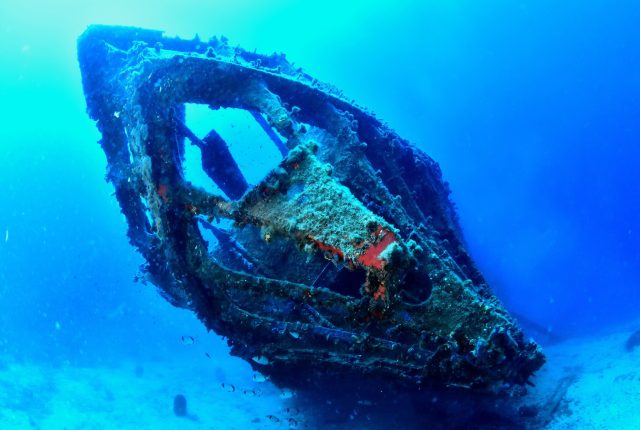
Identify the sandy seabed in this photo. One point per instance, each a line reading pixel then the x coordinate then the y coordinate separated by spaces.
pixel 594 384
pixel 132 397
pixel 602 383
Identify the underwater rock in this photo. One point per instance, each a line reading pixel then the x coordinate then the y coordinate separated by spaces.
pixel 346 261
pixel 180 405
pixel 633 341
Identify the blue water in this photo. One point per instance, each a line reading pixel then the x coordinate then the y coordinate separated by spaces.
pixel 530 107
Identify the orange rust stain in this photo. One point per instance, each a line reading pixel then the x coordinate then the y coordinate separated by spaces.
pixel 371 257
pixel 381 293
pixel 329 248
pixel 163 192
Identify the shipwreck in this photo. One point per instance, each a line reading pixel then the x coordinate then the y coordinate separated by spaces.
pixel 346 260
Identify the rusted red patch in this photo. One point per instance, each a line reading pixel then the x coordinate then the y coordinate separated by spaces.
pixel 191 208
pixel 371 256
pixel 163 192
pixel 331 249
pixel 381 293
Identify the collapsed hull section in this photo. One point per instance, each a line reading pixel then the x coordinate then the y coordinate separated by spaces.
pixel 346 259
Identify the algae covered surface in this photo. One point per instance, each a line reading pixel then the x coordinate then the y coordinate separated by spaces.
pixel 404 299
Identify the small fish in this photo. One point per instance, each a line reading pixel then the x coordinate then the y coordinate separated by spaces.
pixel 229 388
pixel 365 402
pixel 208 355
pixel 286 394
pixel 261 359
pixel 273 418
pixel 252 392
pixel 259 377
pixel 6 235
pixel 294 334
pixel 188 340
pixel 292 411
pixel 293 423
